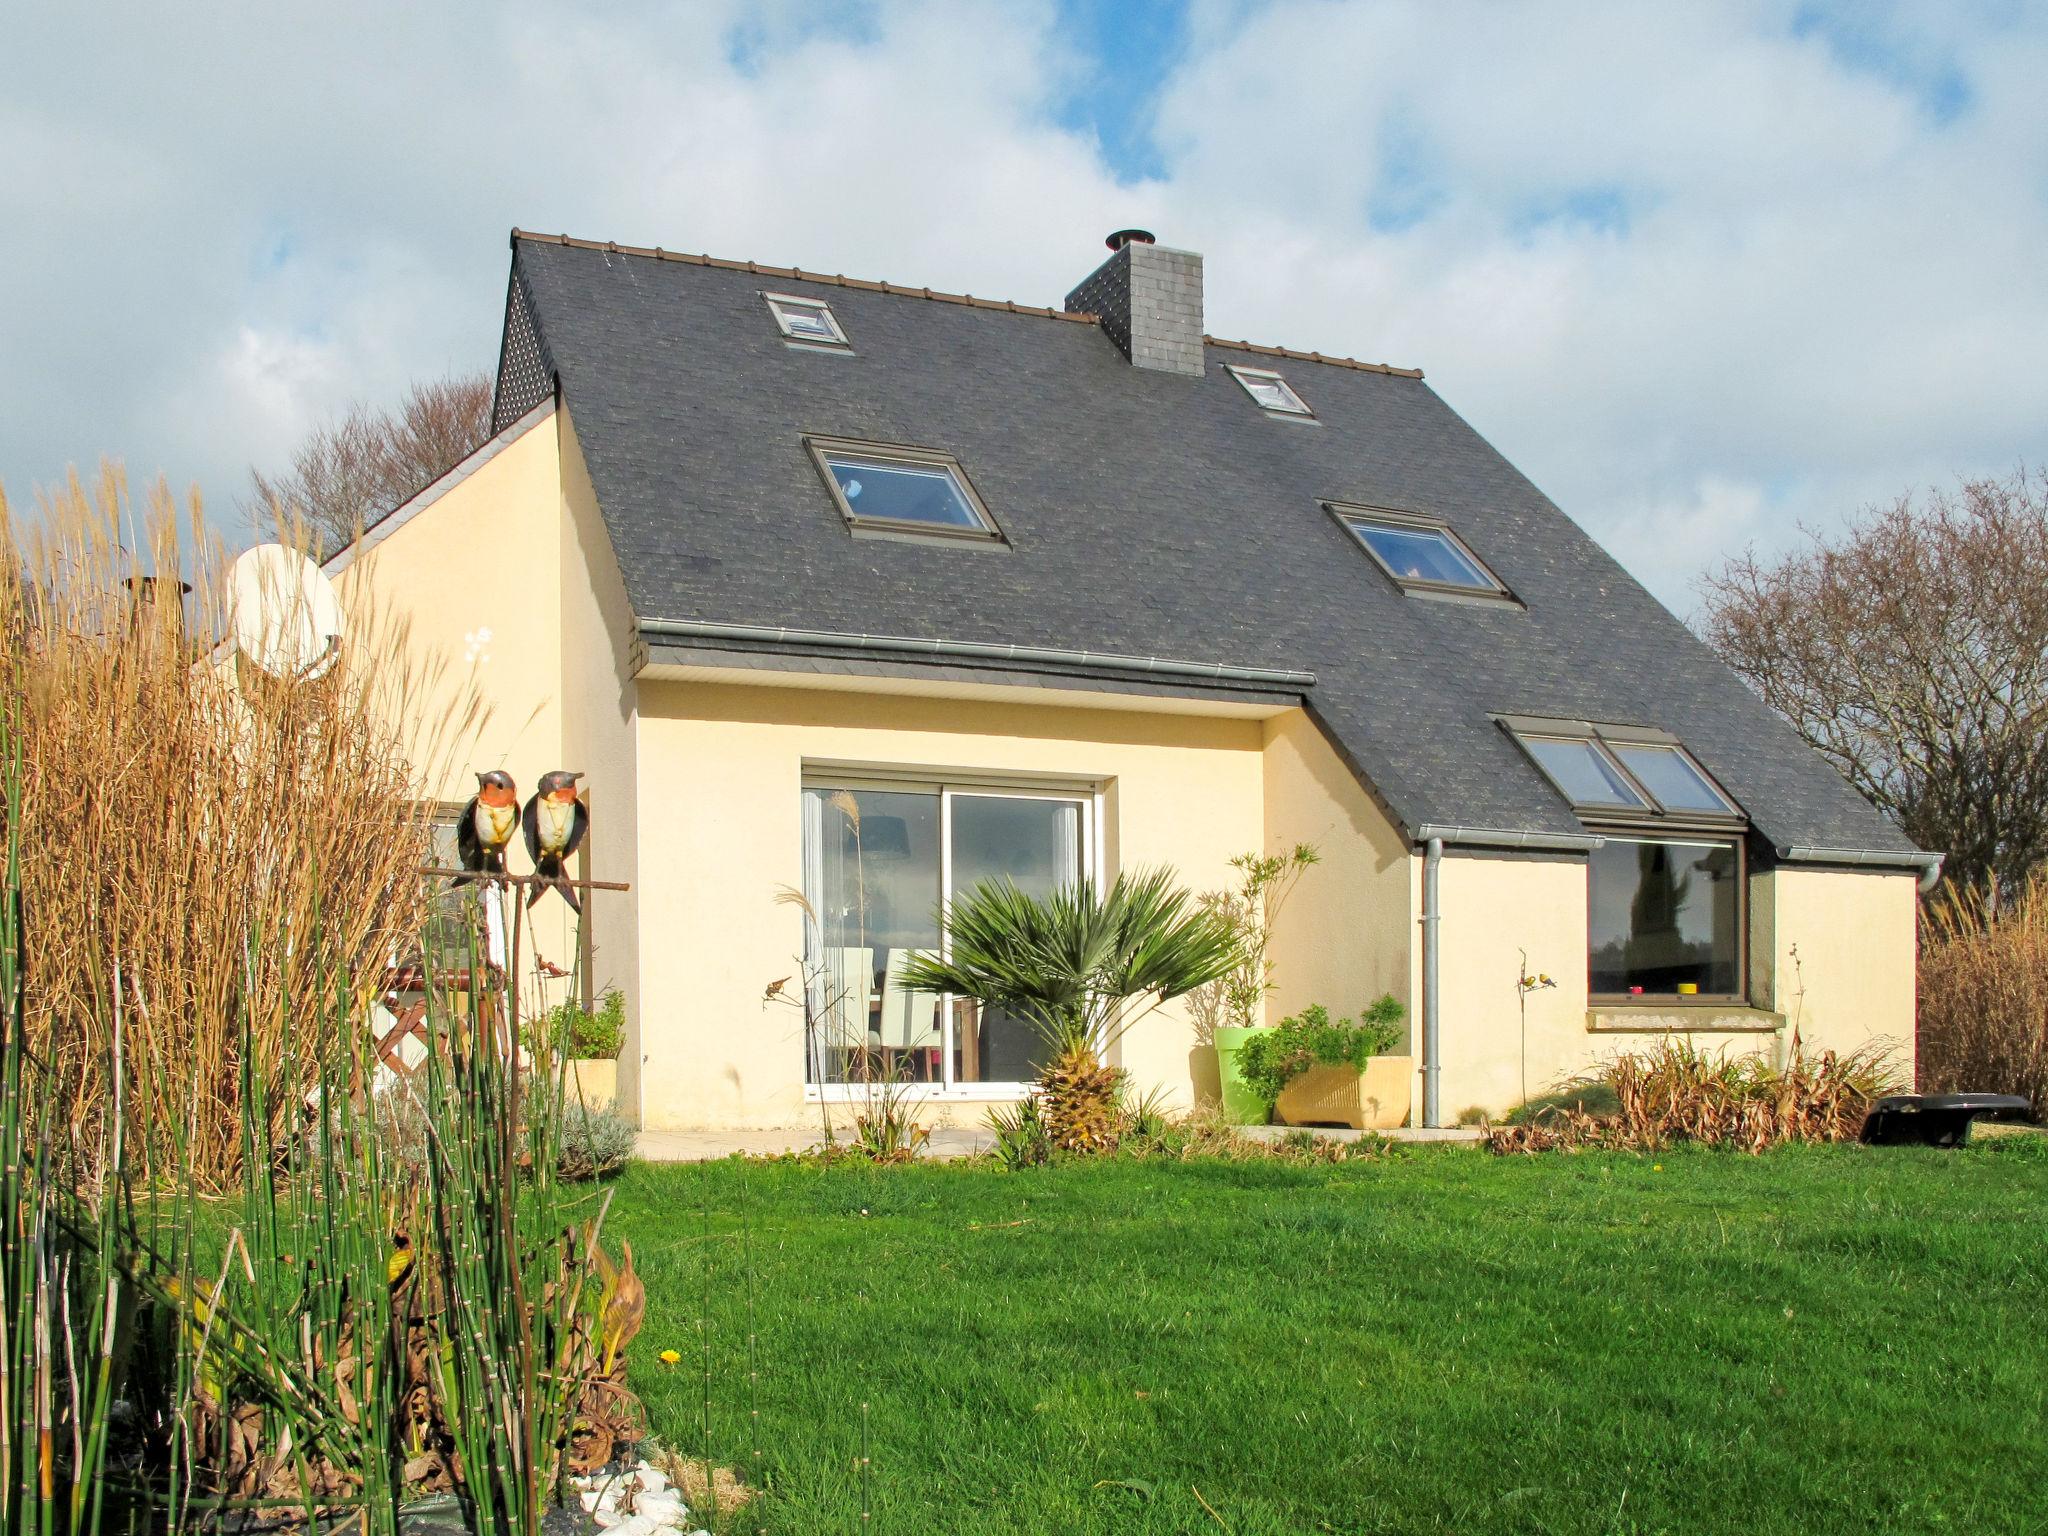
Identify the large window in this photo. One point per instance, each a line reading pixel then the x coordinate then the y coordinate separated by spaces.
pixel 1665 919
pixel 880 860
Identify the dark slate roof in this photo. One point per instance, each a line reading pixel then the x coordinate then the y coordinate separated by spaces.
pixel 1149 514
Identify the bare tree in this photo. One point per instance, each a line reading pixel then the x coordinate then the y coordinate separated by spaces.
pixel 1912 653
pixel 349 473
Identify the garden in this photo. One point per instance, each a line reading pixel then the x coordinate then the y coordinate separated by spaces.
pixel 310 1220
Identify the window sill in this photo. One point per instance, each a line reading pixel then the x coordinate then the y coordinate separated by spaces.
pixel 1682 1019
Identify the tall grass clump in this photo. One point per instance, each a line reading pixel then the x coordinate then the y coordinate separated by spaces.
pixel 172 806
pixel 1677 1092
pixel 1984 994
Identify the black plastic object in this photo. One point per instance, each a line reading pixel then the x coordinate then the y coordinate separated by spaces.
pixel 1937 1119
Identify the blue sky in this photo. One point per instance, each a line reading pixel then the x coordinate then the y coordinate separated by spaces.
pixel 1705 272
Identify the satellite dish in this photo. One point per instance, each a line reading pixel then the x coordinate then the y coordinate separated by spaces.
pixel 287 620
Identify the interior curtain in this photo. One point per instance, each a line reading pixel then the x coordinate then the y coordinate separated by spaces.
pixel 1068 825
pixel 814 937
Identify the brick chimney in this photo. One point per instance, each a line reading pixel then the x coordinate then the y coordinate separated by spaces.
pixel 1149 299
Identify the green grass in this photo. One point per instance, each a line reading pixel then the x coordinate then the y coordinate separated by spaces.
pixel 1832 1339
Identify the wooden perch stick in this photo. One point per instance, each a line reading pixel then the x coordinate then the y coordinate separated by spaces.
pixel 484 877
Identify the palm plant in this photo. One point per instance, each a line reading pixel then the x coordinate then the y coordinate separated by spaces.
pixel 1080 967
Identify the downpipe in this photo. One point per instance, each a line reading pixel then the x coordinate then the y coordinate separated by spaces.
pixel 1432 1045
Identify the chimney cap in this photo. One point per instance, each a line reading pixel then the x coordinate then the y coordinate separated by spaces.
pixel 1124 237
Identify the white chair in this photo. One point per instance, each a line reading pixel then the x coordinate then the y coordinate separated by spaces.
pixel 849 986
pixel 910 1020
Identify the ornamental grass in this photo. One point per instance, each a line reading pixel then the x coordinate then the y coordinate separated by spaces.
pixel 168 813
pixel 1984 994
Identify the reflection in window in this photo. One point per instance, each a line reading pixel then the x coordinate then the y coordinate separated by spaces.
pixel 874 872
pixel 1671 776
pixel 1272 392
pixel 912 494
pixel 1583 772
pixel 1665 916
pixel 1419 553
pixel 808 320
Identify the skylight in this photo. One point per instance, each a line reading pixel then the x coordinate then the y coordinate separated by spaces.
pixel 910 492
pixel 1272 392
pixel 1421 554
pixel 806 320
pixel 1621 769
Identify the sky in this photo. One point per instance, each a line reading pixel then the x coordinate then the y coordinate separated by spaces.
pixel 1707 273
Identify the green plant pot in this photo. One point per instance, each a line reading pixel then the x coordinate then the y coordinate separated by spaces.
pixel 1241 1106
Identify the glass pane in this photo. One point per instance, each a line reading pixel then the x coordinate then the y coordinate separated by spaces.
pixel 1583 772
pixel 1669 775
pixel 1664 915
pixel 1423 554
pixel 1036 844
pixel 871 874
pixel 1274 394
pixel 803 321
pixel 904 493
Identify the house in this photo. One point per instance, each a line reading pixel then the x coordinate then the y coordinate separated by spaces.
pixel 872 591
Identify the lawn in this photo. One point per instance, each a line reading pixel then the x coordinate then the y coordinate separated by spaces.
pixel 1825 1339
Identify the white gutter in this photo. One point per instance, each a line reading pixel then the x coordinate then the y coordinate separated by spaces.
pixel 972 650
pixel 1496 837
pixel 1929 864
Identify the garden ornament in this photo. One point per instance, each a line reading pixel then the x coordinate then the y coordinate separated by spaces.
pixel 555 822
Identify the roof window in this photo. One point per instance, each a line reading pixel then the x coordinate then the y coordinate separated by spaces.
pixel 809 321
pixel 1420 554
pixel 1272 393
pixel 1625 770
pixel 902 492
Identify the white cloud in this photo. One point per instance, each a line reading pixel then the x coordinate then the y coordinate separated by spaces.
pixel 1701 271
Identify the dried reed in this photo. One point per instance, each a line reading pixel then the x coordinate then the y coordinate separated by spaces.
pixel 194 829
pixel 1984 994
pixel 1677 1092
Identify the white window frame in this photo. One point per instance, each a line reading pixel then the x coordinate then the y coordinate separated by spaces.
pixel 1087 793
pixel 776 307
pixel 1301 410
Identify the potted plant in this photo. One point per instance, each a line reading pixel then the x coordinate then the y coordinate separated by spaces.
pixel 591 1040
pixel 1228 1010
pixel 1313 1070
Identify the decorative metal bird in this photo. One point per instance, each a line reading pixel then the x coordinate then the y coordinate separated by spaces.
pixel 487 825
pixel 555 822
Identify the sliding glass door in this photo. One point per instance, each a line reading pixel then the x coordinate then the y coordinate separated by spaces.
pixel 879 860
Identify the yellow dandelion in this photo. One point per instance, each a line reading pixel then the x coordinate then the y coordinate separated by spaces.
pixel 670 1357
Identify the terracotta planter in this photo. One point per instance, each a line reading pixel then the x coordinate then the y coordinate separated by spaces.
pixel 1373 1100
pixel 595 1084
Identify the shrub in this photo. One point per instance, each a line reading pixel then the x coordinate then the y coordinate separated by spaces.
pixel 1022 1140
pixel 1273 1058
pixel 1984 996
pixel 584 1034
pixel 595 1142
pixel 1677 1092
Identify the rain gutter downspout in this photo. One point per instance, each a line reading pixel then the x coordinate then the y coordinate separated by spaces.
pixel 1432 1054
pixel 972 650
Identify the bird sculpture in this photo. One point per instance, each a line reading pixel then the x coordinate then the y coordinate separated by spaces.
pixel 555 822
pixel 488 822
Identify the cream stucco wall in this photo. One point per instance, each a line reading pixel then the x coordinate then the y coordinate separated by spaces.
pixel 1855 937
pixel 1347 933
pixel 500 592
pixel 721 769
